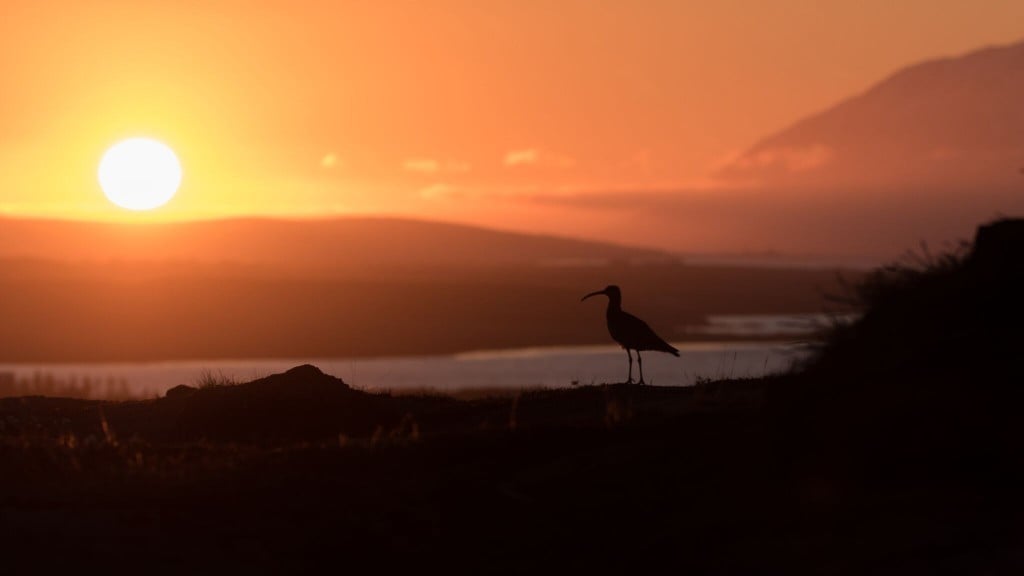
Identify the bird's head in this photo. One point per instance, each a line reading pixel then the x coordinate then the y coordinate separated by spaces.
pixel 612 292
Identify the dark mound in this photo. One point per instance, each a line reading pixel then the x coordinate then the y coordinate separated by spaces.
pixel 302 404
pixel 180 391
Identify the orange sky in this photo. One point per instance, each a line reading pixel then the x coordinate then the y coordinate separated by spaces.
pixel 448 109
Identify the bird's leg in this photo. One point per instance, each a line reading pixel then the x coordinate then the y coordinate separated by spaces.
pixel 640 362
pixel 629 380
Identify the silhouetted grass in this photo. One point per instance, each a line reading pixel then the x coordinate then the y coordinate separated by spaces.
pixel 471 393
pixel 207 378
pixel 47 384
pixel 911 275
pixel 942 316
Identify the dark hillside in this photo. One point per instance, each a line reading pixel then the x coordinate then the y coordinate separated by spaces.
pixel 940 335
pixel 914 411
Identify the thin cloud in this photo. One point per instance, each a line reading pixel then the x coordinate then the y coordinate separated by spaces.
pixel 444 191
pixel 441 191
pixel 792 159
pixel 522 157
pixel 537 157
pixel 431 166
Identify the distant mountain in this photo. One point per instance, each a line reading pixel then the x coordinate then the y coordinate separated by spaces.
pixel 951 121
pixel 336 244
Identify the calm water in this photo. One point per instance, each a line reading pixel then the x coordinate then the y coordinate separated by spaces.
pixel 523 368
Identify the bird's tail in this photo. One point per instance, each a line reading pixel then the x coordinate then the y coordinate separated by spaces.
pixel 666 347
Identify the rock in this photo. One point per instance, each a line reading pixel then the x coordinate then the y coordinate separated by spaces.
pixel 304 371
pixel 180 391
pixel 1000 245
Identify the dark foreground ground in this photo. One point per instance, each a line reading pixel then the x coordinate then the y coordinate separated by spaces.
pixel 897 450
pixel 299 473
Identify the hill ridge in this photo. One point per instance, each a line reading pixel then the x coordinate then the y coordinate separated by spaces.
pixel 944 120
pixel 378 241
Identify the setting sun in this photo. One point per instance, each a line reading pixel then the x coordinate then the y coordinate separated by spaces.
pixel 139 174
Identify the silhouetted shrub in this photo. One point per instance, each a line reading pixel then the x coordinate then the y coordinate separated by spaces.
pixel 210 379
pixel 931 368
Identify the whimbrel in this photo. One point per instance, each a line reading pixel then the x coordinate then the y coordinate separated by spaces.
pixel 630 332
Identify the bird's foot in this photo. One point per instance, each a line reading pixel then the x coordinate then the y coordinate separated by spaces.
pixel 641 382
pixel 629 381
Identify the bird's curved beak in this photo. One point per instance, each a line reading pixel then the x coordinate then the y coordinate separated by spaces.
pixel 592 294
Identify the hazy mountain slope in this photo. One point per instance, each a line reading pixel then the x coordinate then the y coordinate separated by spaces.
pixel 948 121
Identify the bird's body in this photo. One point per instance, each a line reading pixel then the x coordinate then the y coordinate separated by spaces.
pixel 631 332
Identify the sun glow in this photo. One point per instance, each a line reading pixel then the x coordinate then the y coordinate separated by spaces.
pixel 139 174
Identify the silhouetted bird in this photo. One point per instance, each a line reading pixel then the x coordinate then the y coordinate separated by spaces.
pixel 630 332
